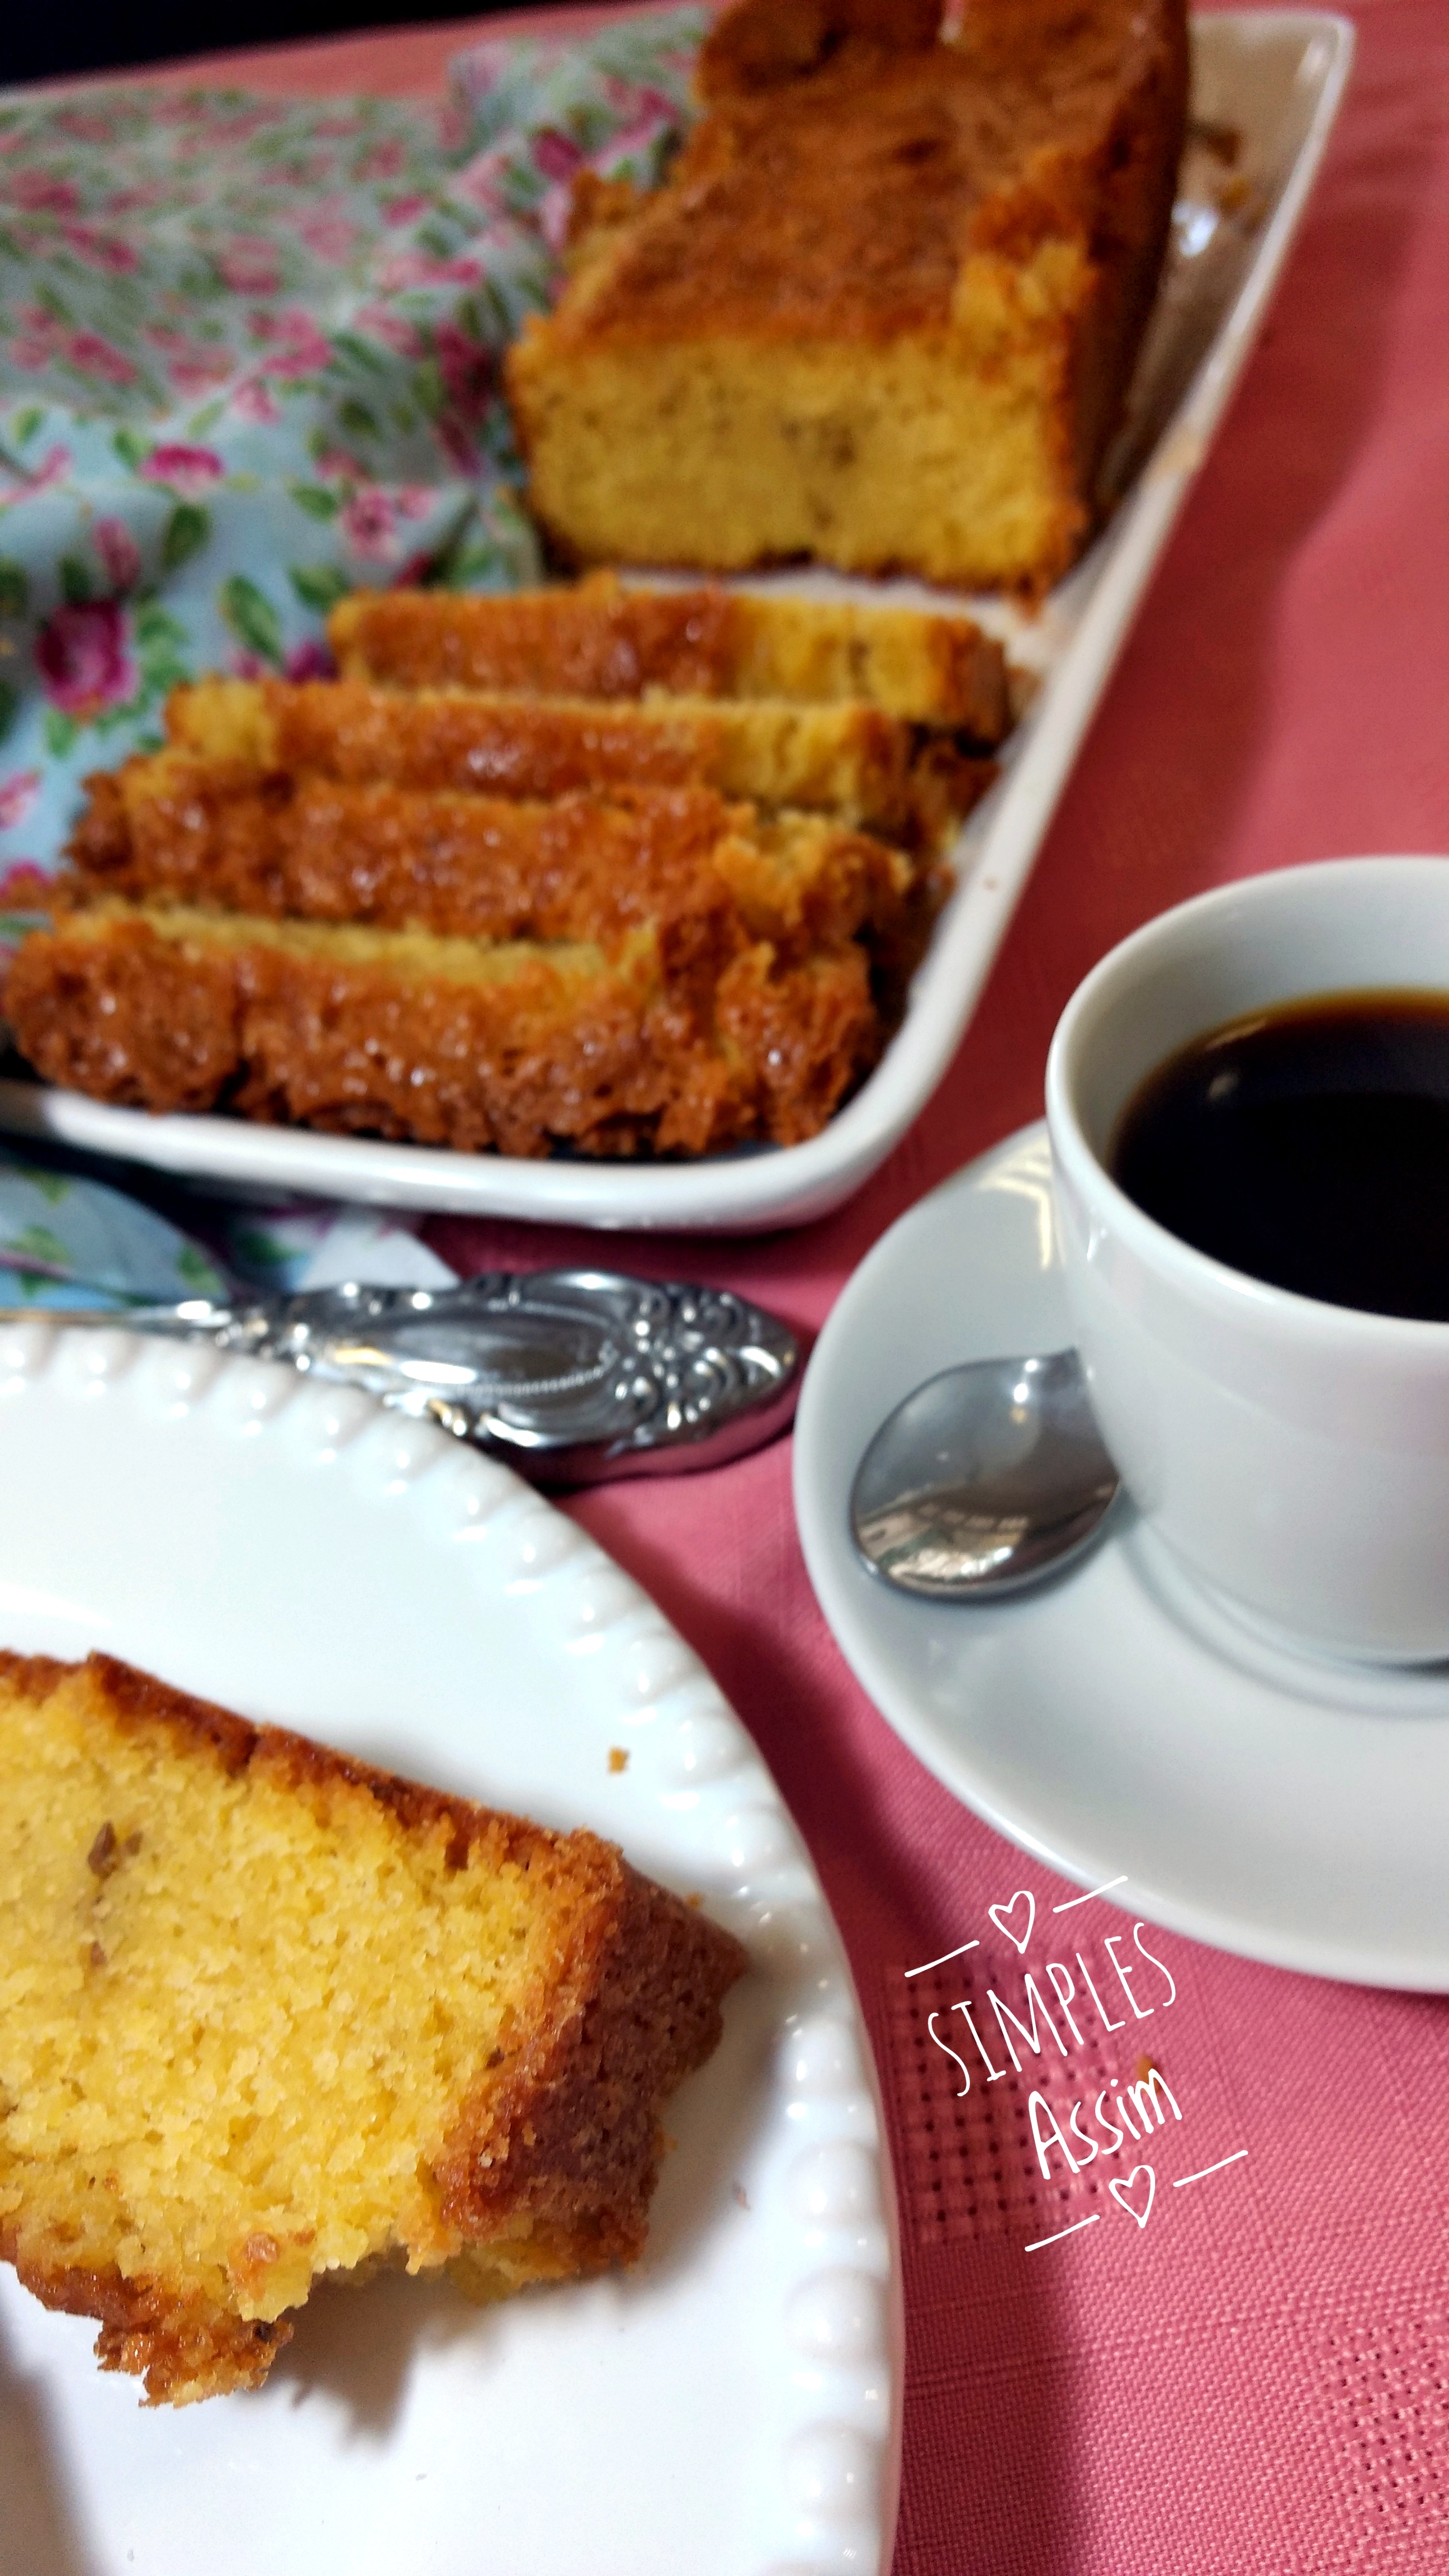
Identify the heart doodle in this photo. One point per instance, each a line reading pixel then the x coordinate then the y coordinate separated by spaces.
pixel 1000 1917
pixel 1124 2195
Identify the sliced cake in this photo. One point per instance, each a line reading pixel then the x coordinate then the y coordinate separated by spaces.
pixel 597 639
pixel 267 2016
pixel 516 1046
pixel 707 875
pixel 868 769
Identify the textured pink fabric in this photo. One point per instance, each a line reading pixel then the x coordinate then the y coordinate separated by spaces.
pixel 1263 2384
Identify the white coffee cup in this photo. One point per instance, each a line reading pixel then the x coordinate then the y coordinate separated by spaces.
pixel 1294 1455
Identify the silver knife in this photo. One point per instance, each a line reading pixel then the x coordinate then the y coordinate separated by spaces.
pixel 573 1376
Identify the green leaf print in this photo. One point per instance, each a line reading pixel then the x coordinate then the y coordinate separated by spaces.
pixel 42 1245
pixel 187 531
pixel 251 616
pixel 75 580
pixel 9 706
pixel 315 500
pixel 155 626
pixel 53 1187
pixel 14 590
pixel 27 423
pixel 132 449
pixel 60 733
pixel 360 351
pixel 196 1272
pixel 356 419
pixel 318 586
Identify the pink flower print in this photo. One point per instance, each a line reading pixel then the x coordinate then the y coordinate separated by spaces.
pixel 98 357
pixel 53 466
pixel 83 656
pixel 250 400
pixel 336 466
pixel 249 266
pixel 38 337
pixel 404 210
pixel 331 236
pixel 413 268
pixel 554 210
pixel 458 442
pixel 465 366
pixel 294 345
pixel 412 500
pixel 36 192
pixel 311 661
pixel 18 793
pixel 119 553
pixel 25 888
pixel 80 127
pixel 133 201
pixel 383 161
pixel 555 154
pixel 189 471
pixel 100 250
pixel 411 574
pixel 481 186
pixel 403 338
pixel 639 105
pixel 198 371
pixel 368 521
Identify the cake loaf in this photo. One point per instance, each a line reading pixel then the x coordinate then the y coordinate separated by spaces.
pixel 267 2015
pixel 883 310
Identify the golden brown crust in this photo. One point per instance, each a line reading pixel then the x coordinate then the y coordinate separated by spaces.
pixel 884 309
pixel 840 204
pixel 704 875
pixel 612 1063
pixel 597 639
pixel 548 2164
pixel 762 44
pixel 866 768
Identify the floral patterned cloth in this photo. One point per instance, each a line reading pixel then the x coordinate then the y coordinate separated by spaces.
pixel 69 1240
pixel 248 361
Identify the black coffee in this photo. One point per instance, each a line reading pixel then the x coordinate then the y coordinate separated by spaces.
pixel 1309 1146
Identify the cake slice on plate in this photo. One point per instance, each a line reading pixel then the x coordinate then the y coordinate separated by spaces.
pixel 267 2014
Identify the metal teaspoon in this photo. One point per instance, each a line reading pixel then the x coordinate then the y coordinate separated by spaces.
pixel 985 1479
pixel 573 1376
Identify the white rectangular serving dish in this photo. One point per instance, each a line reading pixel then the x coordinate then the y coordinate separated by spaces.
pixel 1275 78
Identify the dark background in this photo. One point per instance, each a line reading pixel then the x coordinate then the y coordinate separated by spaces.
pixel 48 39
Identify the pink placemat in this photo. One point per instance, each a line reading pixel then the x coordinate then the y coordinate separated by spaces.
pixel 1263 2382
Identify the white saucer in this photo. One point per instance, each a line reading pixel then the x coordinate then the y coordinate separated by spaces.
pixel 1117 1721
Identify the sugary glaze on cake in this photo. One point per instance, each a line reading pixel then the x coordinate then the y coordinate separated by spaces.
pixel 267 2014
pixel 452 1042
pixel 885 306
pixel 868 769
pixel 505 919
pixel 842 199
pixel 597 639
pixel 708 877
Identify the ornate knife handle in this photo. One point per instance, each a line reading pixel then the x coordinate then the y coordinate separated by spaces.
pixel 572 1375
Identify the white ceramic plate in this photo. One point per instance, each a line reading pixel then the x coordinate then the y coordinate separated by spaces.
pixel 1114 1723
pixel 732 2404
pixel 1276 78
